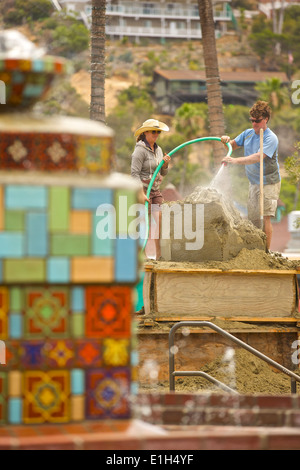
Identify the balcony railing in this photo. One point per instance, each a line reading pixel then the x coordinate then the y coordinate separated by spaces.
pixel 193 33
pixel 162 12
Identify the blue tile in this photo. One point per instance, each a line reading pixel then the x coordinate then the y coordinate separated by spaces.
pixel 91 198
pixel 103 226
pixel 77 299
pixel 26 197
pixel 15 410
pixel 15 325
pixel 12 245
pixel 77 382
pixel 58 269
pixel 126 260
pixel 36 234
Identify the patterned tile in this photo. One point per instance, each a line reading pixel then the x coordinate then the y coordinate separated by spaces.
pixel 46 397
pixel 108 312
pixel 88 353
pixel 108 393
pixel 46 313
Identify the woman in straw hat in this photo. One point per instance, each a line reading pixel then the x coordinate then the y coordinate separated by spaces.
pixel 146 157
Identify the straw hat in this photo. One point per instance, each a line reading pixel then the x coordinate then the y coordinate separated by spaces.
pixel 151 125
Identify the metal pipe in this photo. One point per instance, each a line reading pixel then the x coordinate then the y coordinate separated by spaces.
pixel 229 336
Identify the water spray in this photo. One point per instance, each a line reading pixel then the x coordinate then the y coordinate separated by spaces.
pixel 176 149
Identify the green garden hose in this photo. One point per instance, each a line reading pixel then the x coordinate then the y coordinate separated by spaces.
pixel 201 139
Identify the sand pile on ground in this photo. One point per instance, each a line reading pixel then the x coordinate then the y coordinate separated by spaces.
pixel 225 232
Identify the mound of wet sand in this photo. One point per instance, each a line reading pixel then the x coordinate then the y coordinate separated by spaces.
pixel 225 232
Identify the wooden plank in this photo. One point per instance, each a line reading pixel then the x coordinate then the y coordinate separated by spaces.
pixel 175 269
pixel 167 318
pixel 183 294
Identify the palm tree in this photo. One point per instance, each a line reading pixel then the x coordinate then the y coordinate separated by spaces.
pixel 272 91
pixel 214 93
pixel 97 107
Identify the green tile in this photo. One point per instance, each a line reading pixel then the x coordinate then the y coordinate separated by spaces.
pixel 78 325
pixel 16 299
pixel 24 270
pixel 124 199
pixel 70 245
pixel 14 220
pixel 59 210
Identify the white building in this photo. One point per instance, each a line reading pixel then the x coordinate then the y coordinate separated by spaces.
pixel 156 19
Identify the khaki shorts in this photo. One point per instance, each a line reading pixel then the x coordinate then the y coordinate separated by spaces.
pixel 271 196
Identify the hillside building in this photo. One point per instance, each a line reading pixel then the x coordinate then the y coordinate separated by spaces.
pixel 160 19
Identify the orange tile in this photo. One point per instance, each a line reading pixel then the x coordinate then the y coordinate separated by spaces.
pixel 15 383
pixel 87 269
pixel 80 222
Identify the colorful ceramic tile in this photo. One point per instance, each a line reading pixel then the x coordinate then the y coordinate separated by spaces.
pixel 77 408
pixel 15 407
pixel 78 325
pixel 70 245
pixel 24 270
pixel 4 298
pixel 58 270
pixel 3 395
pixel 46 397
pixel 12 245
pixel 88 353
pixel 59 354
pixel 91 198
pixel 1 208
pixel 125 201
pixel 59 207
pixel 95 154
pixel 32 354
pixel 108 312
pixel 46 313
pixel 86 269
pixel 108 393
pixel 126 256
pixel 26 197
pixel 103 234
pixel 14 383
pixel 12 354
pixel 80 222
pixel 15 325
pixel 36 234
pixel 116 352
pixel 77 382
pixel 78 299
pixel 14 220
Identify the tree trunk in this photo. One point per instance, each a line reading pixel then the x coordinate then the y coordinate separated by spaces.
pixel 97 108
pixel 213 85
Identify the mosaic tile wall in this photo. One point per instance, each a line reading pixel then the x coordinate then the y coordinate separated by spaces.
pixel 66 304
pixel 28 80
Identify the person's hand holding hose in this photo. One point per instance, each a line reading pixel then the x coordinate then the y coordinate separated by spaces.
pixel 167 160
pixel 225 139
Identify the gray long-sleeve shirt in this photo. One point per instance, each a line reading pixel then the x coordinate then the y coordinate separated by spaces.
pixel 144 163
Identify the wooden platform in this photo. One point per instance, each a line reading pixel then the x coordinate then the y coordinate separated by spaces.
pixel 176 293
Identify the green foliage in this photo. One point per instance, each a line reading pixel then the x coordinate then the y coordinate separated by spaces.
pixel 71 39
pixel 236 119
pixel 15 12
pixel 273 92
pixel 292 165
